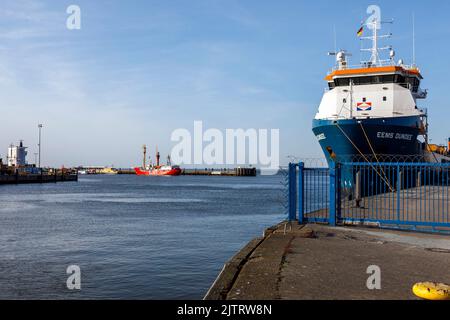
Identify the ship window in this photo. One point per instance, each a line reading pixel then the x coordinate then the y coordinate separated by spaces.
pixel 377 80
pixel 387 79
pixel 414 82
pixel 365 80
pixel 344 100
pixel 399 79
pixel 384 98
pixel 358 81
pixel 364 99
pixel 342 82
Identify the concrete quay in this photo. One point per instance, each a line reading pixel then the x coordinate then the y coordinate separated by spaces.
pixel 235 172
pixel 37 178
pixel 317 262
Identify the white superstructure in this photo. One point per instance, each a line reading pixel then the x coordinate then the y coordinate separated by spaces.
pixel 374 89
pixel 17 155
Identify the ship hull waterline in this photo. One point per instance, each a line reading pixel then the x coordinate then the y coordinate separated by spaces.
pixel 347 140
pixel 157 172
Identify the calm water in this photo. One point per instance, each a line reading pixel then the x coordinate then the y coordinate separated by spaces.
pixel 133 237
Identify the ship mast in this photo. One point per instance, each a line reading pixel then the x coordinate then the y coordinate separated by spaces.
pixel 375 50
pixel 157 156
pixel 375 57
pixel 144 150
pixel 351 98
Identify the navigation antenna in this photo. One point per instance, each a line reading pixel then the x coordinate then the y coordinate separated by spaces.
pixel 375 50
pixel 414 38
pixel 335 38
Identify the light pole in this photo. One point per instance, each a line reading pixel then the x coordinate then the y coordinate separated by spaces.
pixel 35 158
pixel 40 128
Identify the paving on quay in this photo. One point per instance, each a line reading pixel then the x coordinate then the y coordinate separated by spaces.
pixel 318 262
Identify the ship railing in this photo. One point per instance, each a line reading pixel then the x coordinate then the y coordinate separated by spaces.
pixel 368 66
pixel 414 89
pixel 336 118
pixel 385 193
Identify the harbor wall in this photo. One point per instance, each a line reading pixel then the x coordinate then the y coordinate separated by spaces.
pixel 235 172
pixel 37 178
pixel 293 262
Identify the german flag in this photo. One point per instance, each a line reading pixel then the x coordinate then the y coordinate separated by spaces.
pixel 360 31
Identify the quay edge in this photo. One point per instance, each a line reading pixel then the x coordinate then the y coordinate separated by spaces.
pixel 318 262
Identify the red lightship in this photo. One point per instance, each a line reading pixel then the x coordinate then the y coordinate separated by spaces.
pixel 157 170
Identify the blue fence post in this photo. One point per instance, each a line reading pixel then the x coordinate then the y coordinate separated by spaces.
pixel 333 190
pixel 292 191
pixel 338 191
pixel 301 192
pixel 399 189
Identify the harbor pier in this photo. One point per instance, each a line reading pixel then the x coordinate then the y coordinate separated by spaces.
pixel 56 176
pixel 318 262
pixel 344 221
pixel 234 172
pixel 18 171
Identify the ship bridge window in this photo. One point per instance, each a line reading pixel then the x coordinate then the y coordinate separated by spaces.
pixel 388 79
pixel 399 79
pixel 414 83
pixel 342 82
pixel 366 80
pixel 359 81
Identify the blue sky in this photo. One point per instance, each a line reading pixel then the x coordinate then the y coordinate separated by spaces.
pixel 137 70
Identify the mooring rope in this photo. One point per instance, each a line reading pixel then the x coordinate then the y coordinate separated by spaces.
pixel 375 155
pixel 365 158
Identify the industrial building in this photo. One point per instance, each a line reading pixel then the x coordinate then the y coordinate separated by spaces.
pixel 17 155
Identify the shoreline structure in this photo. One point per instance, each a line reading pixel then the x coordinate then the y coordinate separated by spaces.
pixel 318 262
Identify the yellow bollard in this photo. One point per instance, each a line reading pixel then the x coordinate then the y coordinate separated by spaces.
pixel 432 291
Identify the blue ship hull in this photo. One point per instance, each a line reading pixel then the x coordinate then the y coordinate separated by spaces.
pixel 346 139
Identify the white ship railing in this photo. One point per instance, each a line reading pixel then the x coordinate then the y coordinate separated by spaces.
pixel 368 66
pixel 394 115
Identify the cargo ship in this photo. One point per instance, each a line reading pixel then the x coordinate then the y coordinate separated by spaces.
pixel 157 170
pixel 371 109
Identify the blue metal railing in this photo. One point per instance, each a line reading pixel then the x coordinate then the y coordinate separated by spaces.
pixel 397 195
pixel 292 193
pixel 309 194
pixel 391 195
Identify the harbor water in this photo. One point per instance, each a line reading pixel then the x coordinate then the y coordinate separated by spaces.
pixel 133 237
